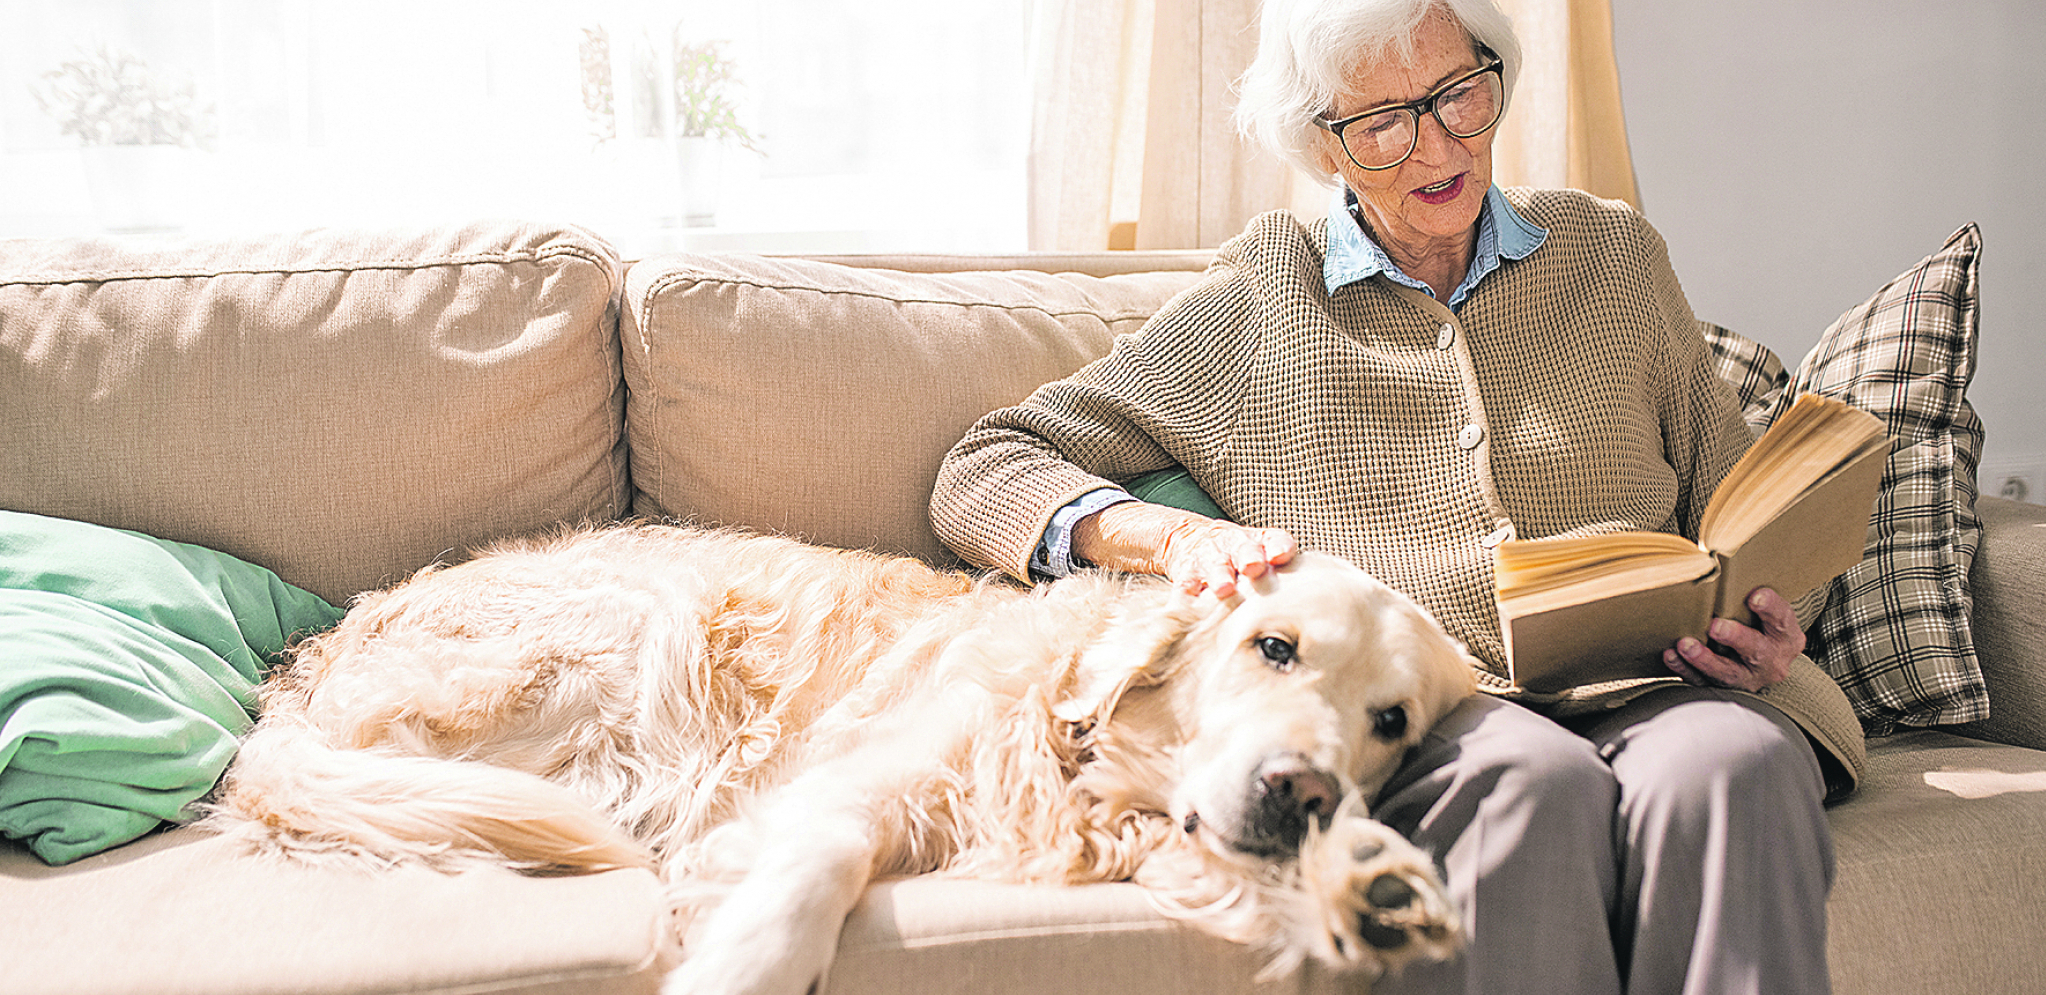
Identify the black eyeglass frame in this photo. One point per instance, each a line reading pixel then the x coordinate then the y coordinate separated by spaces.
pixel 1425 105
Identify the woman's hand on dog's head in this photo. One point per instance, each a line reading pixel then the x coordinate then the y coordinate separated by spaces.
pixel 1206 554
pixel 1196 552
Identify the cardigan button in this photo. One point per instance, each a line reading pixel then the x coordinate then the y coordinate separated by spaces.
pixel 1470 436
pixel 1447 337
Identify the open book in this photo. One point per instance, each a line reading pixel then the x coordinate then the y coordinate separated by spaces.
pixel 1791 515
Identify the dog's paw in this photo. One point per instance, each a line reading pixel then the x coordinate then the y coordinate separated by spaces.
pixel 1380 903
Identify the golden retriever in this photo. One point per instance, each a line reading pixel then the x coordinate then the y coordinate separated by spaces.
pixel 772 725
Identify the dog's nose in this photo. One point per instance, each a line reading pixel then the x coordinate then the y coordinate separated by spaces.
pixel 1289 792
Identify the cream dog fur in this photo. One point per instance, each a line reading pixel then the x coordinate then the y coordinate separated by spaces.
pixel 773 725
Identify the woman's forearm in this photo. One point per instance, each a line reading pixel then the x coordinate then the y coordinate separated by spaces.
pixel 1133 537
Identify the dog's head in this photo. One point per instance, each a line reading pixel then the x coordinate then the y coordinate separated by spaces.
pixel 1304 689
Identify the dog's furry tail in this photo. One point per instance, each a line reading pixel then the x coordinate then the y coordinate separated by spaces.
pixel 289 791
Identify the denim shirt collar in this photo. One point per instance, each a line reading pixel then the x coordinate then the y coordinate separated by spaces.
pixel 1353 256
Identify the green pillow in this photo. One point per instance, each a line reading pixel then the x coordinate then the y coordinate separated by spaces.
pixel 128 665
pixel 1175 487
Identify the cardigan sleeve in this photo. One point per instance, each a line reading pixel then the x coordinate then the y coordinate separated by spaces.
pixel 1166 394
pixel 1704 433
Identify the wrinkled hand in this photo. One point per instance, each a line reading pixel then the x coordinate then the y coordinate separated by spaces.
pixel 1206 554
pixel 1762 656
pixel 1196 552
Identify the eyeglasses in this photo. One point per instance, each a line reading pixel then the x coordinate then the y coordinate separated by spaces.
pixel 1383 137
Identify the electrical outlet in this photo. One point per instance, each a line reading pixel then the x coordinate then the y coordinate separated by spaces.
pixel 2018 481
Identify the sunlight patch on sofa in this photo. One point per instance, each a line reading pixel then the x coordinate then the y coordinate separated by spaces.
pixel 1976 783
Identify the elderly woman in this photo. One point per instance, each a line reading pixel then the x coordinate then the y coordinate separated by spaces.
pixel 1435 367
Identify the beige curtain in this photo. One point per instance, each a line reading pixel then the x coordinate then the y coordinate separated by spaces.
pixel 1132 146
pixel 1566 127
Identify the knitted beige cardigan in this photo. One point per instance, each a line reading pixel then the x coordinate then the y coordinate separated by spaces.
pixel 1572 394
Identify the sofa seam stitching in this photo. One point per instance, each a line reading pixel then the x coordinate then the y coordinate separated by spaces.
pixel 1122 314
pixel 402 265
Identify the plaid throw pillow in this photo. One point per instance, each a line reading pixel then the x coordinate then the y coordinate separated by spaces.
pixel 1895 630
pixel 1753 370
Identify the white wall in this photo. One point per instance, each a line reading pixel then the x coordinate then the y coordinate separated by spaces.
pixel 1798 153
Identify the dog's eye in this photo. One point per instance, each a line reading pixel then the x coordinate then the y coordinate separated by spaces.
pixel 1390 723
pixel 1277 652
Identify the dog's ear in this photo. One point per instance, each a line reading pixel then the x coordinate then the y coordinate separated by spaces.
pixel 1451 675
pixel 1143 647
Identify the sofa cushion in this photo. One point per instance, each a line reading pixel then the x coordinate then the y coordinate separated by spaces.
pixel 188 913
pixel 1940 866
pixel 817 399
pixel 2007 587
pixel 1940 871
pixel 341 407
pixel 129 667
pixel 937 936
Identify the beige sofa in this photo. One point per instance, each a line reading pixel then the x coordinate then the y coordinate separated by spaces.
pixel 346 407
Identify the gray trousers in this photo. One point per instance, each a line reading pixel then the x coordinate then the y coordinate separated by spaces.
pixel 1675 845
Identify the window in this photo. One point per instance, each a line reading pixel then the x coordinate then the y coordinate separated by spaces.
pixel 880 125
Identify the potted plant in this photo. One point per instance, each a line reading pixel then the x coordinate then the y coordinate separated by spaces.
pixel 706 116
pixel 678 104
pixel 138 132
pixel 704 104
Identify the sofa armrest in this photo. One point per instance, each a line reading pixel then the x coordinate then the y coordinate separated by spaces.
pixel 2009 586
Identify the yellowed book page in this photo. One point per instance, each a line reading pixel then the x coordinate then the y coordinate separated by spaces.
pixel 1816 538
pixel 1639 575
pixel 1811 440
pixel 1570 569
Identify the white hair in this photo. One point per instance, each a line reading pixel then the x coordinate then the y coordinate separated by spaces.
pixel 1308 49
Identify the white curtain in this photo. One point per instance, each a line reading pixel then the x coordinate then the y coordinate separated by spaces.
pixel 1132 146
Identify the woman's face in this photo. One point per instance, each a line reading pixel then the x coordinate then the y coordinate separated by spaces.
pixel 1434 197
